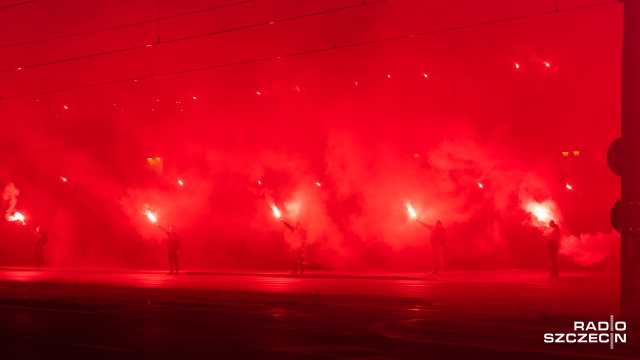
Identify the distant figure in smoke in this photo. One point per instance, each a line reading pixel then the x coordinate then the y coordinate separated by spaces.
pixel 297 237
pixel 39 242
pixel 438 239
pixel 553 244
pixel 173 246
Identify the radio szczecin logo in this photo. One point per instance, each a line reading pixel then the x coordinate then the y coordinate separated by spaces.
pixel 590 332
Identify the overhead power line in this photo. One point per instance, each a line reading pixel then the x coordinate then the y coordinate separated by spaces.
pixel 119 26
pixel 324 49
pixel 239 28
pixel 16 4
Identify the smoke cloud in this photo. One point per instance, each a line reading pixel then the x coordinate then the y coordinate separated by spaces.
pixel 476 144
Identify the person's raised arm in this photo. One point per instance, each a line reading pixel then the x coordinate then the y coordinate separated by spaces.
pixel 425 225
pixel 289 226
pixel 163 229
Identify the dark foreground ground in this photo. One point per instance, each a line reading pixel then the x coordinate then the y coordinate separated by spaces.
pixel 56 314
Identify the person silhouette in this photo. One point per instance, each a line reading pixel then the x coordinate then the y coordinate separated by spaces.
pixel 437 240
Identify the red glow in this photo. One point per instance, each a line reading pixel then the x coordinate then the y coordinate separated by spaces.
pixel 151 216
pixel 276 212
pixel 541 211
pixel 16 217
pixel 412 213
pixel 377 145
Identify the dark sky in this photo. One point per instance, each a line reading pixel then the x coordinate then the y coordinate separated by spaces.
pixel 383 103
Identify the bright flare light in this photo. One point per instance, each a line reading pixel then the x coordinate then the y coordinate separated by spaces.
pixel 63 178
pixel 317 183
pixel 16 217
pixel 569 187
pixel 517 66
pixel 276 212
pixel 480 185
pixel 540 212
pixel 151 216
pixel 411 212
pixel 180 182
pixel 547 64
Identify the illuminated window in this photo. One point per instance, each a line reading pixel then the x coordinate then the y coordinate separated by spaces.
pixel 565 153
pixel 416 156
pixel 155 164
pixel 576 153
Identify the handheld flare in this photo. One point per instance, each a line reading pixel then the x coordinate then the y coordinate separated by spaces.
pixel 412 213
pixel 151 217
pixel 16 217
pixel 276 212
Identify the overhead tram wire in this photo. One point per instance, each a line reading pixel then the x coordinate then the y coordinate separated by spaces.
pixel 121 26
pixel 191 36
pixel 17 4
pixel 325 49
pixel 431 32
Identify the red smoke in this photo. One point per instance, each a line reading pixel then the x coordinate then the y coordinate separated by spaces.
pixel 471 144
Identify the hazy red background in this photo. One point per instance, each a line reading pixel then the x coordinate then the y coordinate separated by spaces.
pixel 361 118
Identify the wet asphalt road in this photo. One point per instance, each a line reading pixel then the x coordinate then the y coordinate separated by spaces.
pixel 56 314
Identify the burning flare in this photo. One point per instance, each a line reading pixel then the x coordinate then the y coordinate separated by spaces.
pixel 541 213
pixel 276 212
pixel 16 217
pixel 151 216
pixel 411 212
